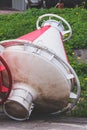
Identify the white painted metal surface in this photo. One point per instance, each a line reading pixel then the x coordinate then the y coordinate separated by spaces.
pixel 41 67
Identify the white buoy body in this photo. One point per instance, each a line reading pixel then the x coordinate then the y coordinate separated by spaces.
pixel 36 69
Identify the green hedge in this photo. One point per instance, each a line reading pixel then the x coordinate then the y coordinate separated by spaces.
pixel 15 25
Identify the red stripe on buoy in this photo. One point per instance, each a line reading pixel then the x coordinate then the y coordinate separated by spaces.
pixel 35 34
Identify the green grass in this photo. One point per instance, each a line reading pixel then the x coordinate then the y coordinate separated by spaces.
pixel 15 25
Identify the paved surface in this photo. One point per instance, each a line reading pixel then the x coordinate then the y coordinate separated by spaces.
pixel 9 11
pixel 44 123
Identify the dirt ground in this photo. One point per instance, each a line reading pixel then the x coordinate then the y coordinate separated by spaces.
pixel 81 55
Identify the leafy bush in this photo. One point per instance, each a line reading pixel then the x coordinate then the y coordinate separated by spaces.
pixel 15 25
